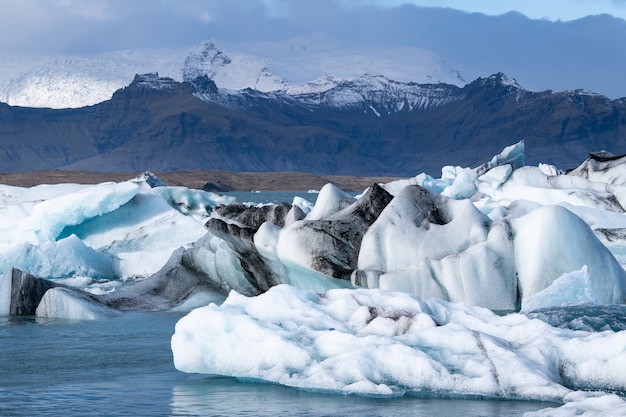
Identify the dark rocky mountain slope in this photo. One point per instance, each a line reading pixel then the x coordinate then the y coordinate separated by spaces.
pixel 162 125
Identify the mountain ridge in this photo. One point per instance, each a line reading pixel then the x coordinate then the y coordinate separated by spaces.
pixel 159 124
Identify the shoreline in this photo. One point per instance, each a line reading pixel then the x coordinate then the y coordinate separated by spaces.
pixel 213 180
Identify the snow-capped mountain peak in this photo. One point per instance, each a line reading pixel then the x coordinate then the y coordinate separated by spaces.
pixel 152 80
pixel 206 59
pixel 318 85
pixel 232 71
pixel 379 94
pixel 500 80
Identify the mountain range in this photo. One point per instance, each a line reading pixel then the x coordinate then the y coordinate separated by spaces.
pixel 368 125
pixel 301 64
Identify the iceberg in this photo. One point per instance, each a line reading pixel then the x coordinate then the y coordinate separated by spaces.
pixel 112 230
pixel 470 236
pixel 495 281
pixel 374 342
pixel 66 304
pixel 446 263
pixel 572 288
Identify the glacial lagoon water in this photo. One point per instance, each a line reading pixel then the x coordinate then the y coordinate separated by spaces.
pixel 123 367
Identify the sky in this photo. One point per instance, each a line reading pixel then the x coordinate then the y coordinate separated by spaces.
pixel 543 44
pixel 536 9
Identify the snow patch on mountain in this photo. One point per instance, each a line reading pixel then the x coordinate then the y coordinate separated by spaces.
pixel 380 95
pixel 154 81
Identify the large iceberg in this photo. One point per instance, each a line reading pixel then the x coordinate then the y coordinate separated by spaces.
pixel 99 238
pixel 374 342
pixel 502 236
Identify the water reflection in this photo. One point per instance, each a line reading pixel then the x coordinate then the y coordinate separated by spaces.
pixel 219 396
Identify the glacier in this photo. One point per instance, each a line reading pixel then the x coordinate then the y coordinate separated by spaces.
pixel 497 281
pixel 289 67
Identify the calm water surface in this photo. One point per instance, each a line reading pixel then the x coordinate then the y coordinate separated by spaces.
pixel 267 197
pixel 123 366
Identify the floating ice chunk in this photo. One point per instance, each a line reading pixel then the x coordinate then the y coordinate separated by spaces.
pixel 483 274
pixel 304 204
pixel 140 235
pixel 551 241
pixel 442 248
pixel 585 404
pixel 195 203
pixel 549 170
pixel 62 303
pixel 569 289
pixel 329 201
pixel 511 155
pixel 5 293
pixel 48 218
pixel 151 179
pixel 380 343
pixel 56 259
pixel 464 185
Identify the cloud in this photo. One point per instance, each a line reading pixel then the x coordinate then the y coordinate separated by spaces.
pixel 541 54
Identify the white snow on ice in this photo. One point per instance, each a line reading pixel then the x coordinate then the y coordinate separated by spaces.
pixel 374 342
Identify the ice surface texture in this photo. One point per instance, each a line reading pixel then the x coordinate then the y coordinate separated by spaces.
pixel 381 343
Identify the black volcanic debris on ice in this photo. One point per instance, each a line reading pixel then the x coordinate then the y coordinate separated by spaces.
pixel 397 129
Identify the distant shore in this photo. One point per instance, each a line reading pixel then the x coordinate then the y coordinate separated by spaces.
pixel 218 181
